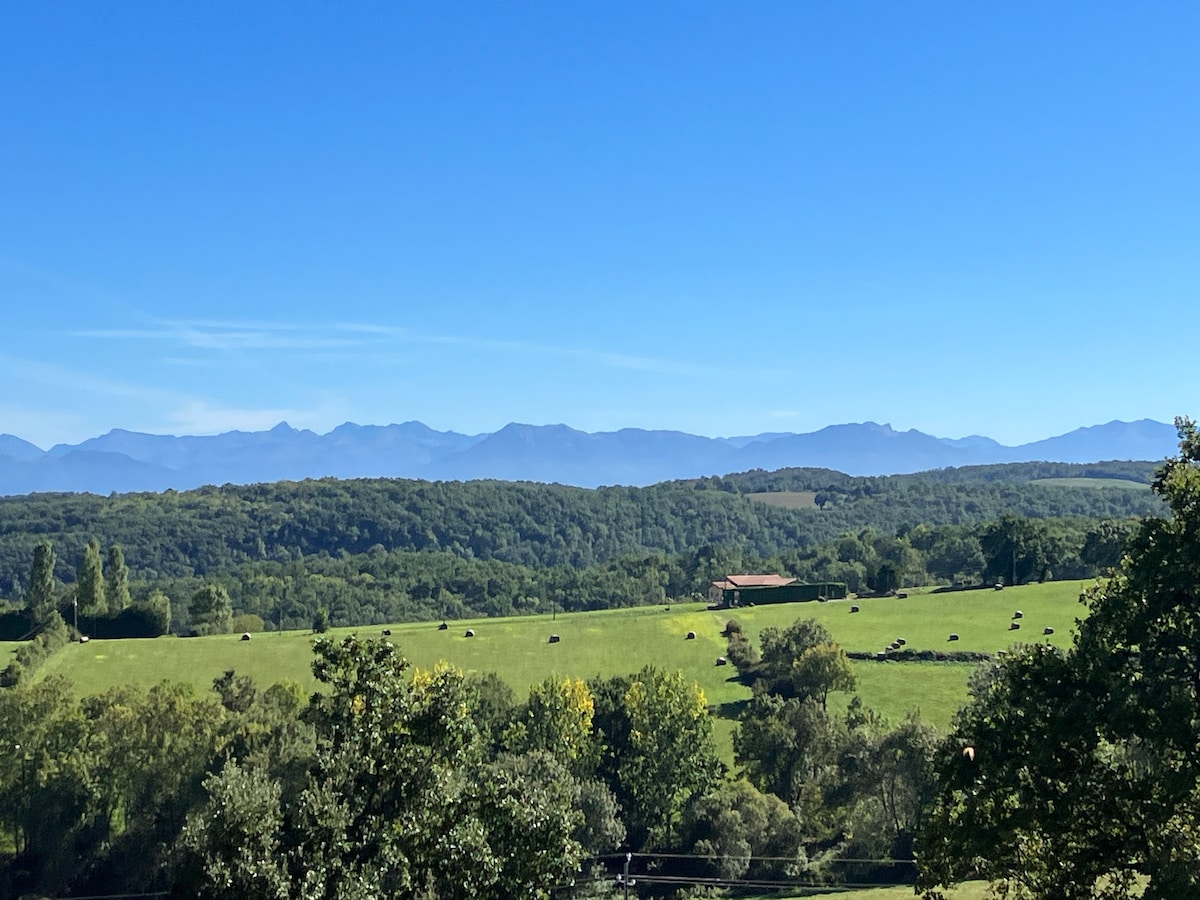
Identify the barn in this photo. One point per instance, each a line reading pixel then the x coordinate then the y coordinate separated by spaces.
pixel 747 590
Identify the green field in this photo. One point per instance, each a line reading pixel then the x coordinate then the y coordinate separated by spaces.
pixel 1116 483
pixel 622 641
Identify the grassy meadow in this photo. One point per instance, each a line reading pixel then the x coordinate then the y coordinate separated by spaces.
pixel 622 641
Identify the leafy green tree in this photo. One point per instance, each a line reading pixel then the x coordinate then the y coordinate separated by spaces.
pixel 116 585
pixel 670 755
pixel 1076 774
pixel 822 669
pixel 211 610
pixel 744 833
pixel 157 610
pixel 1013 549
pixel 89 582
pixel 782 648
pixel 233 844
pixel 398 804
pixel 41 601
pixel 557 719
pixel 320 620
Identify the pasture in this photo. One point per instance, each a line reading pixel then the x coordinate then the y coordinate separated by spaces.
pixel 622 641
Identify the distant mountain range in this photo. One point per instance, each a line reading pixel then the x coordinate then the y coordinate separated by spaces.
pixel 124 461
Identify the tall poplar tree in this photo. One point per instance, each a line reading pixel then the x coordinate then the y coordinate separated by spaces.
pixel 89 582
pixel 116 585
pixel 41 602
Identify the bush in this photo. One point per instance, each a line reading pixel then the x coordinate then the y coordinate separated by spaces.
pixel 248 622
pixel 54 636
pixel 320 620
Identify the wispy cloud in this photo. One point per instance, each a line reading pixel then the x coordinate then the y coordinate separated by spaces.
pixel 218 335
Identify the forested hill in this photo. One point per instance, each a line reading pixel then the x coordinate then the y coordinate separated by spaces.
pixel 213 530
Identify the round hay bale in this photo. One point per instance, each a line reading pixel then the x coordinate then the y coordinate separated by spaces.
pixel 881 656
pixel 854 609
pixel 893 646
pixel 554 639
pixel 1047 630
pixel 83 639
pixel 245 636
pixel 443 627
pixel 1018 615
pixel 901 595
pixel 1013 626
pixel 470 633
pixel 953 637
pixel 999 586
pixel 387 632
pixel 722 661
pixel 901 641
pixel 691 636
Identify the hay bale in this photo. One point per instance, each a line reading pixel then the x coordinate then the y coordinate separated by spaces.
pixel 470 633
pixel 901 595
pixel 999 586
pixel 901 641
pixel 854 609
pixel 83 639
pixel 691 636
pixel 387 632
pixel 245 636
pixel 1047 630
pixel 554 639
pixel 881 656
pixel 1018 614
pixel 1013 626
pixel 722 661
pixel 443 627
pixel 953 637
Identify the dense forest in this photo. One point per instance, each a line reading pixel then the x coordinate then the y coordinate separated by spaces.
pixel 393 550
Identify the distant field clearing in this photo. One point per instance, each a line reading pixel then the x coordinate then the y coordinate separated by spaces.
pixel 787 499
pixel 1118 483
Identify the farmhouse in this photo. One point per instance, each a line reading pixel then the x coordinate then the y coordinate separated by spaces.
pixel 747 590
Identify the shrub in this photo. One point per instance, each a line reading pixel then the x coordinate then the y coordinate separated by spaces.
pixel 320 620
pixel 249 622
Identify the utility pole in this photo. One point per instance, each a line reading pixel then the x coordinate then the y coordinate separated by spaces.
pixel 624 878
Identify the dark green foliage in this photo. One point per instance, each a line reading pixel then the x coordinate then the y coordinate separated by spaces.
pixel 1076 774
pixel 40 599
pixel 52 636
pixel 116 584
pixel 89 583
pixel 211 611
pixel 320 620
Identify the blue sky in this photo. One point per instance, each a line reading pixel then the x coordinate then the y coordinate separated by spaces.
pixel 714 217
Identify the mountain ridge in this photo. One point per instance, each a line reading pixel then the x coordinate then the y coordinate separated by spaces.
pixel 124 461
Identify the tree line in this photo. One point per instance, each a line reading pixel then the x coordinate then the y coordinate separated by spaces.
pixel 214 530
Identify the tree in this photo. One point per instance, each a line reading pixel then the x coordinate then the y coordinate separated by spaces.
pixel 1076 774
pixel 822 669
pixel 116 586
pixel 670 755
pixel 211 610
pixel 41 601
pixel 745 833
pixel 397 803
pixel 89 582
pixel 1013 550
pixel 557 719
pixel 781 650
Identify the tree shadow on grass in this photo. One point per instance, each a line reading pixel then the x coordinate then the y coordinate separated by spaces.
pixel 731 710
